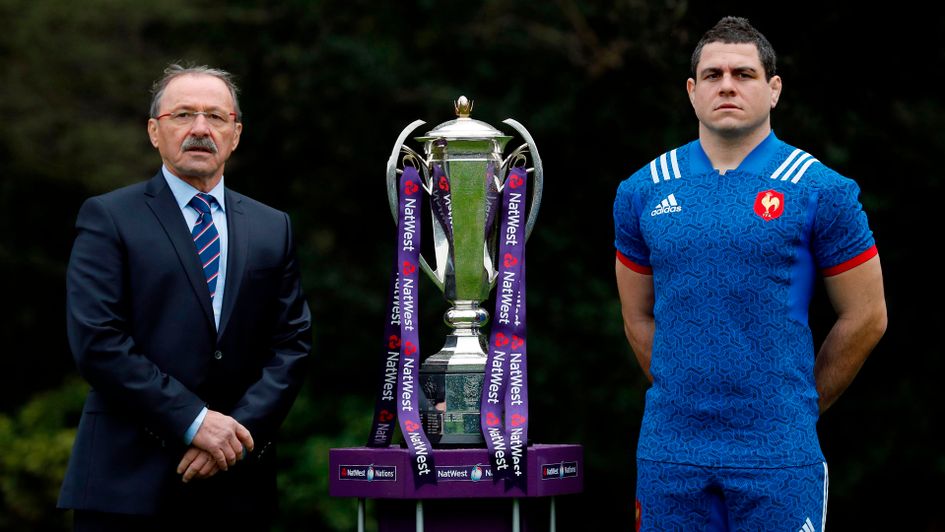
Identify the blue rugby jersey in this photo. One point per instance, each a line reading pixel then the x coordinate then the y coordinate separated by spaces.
pixel 734 259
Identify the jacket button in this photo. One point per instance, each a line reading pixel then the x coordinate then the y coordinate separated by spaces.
pixel 218 355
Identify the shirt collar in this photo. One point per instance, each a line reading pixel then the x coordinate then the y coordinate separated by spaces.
pixel 755 162
pixel 184 191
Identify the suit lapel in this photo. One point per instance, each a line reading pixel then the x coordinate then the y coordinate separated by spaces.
pixel 162 203
pixel 238 234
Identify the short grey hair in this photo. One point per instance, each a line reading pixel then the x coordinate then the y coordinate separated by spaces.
pixel 175 70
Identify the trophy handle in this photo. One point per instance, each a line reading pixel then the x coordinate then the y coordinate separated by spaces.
pixel 392 165
pixel 538 172
pixel 438 278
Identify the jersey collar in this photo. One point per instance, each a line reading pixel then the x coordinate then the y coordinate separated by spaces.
pixel 755 162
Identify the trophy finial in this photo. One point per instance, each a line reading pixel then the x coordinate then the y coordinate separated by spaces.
pixel 463 107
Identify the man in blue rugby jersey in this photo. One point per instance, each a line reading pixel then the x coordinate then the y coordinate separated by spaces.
pixel 718 245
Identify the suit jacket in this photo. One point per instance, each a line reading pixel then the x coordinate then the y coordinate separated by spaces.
pixel 140 326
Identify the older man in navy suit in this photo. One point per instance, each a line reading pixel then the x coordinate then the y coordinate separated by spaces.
pixel 186 315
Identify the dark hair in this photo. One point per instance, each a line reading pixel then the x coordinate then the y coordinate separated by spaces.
pixel 737 30
pixel 174 70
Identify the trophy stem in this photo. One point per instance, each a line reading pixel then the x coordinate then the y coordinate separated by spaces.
pixel 452 379
pixel 466 317
pixel 464 348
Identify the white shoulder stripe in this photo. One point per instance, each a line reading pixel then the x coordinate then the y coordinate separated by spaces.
pixel 794 166
pixel 672 156
pixel 663 168
pixel 800 173
pixel 785 164
pixel 798 161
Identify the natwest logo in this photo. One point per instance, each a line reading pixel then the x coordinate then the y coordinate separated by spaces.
pixel 367 473
pixel 492 420
pixel 559 470
pixel 463 473
pixel 516 180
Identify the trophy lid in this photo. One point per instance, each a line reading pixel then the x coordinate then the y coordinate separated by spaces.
pixel 463 127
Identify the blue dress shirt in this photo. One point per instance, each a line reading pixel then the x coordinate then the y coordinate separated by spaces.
pixel 183 193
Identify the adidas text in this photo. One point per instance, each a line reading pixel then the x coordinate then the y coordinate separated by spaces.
pixel 665 210
pixel 666 206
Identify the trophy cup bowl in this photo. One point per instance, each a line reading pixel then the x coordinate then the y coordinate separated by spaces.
pixel 469 153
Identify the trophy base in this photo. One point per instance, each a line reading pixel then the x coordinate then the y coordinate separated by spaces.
pixel 449 409
pixel 451 382
pixel 462 435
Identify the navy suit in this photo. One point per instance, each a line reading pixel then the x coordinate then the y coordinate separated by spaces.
pixel 141 328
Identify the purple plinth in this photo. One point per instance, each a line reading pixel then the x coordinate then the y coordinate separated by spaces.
pixel 385 473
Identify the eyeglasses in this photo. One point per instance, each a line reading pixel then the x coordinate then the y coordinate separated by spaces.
pixel 217 119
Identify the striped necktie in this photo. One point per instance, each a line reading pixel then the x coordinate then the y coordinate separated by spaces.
pixel 206 239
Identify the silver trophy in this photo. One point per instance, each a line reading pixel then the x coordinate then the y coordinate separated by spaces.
pixel 469 153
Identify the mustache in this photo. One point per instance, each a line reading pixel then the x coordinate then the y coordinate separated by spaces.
pixel 199 142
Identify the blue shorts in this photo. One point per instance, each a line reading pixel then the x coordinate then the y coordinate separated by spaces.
pixel 686 497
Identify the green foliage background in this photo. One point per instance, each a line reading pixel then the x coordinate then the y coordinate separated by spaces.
pixel 326 88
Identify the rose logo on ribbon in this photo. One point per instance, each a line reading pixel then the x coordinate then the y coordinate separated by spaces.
pixel 384 416
pixel 516 181
pixel 517 342
pixel 411 426
pixel 509 260
pixel 393 342
pixel 518 419
pixel 409 268
pixel 444 184
pixel 409 348
pixel 501 340
pixel 492 419
pixel 410 188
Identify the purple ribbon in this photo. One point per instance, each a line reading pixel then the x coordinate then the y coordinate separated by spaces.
pixel 385 406
pixel 441 201
pixel 408 263
pixel 504 404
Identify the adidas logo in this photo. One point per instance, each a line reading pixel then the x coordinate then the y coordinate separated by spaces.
pixel 666 206
pixel 807 526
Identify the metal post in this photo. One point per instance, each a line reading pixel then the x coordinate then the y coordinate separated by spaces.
pixel 552 526
pixel 419 517
pixel 361 514
pixel 516 518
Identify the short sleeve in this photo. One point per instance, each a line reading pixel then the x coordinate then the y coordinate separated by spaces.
pixel 629 239
pixel 842 238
